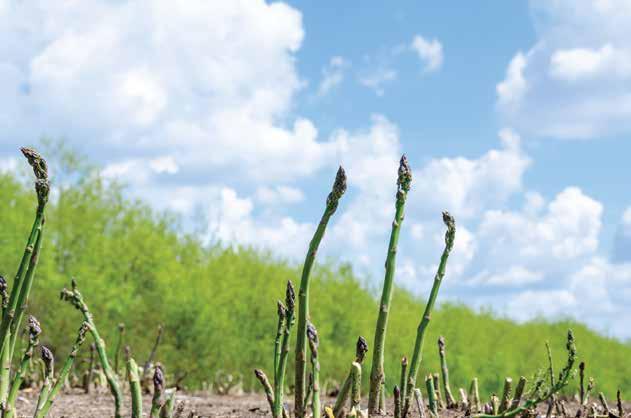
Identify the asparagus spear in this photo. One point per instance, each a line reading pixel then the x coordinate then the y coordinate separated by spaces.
pixel 377 373
pixel 332 201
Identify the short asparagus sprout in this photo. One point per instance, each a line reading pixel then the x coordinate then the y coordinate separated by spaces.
pixel 158 391
pixel 431 394
pixel 418 397
pixel 361 348
pixel 397 401
pixel 519 391
pixel 169 404
pixel 312 335
pixel 450 236
pixel 495 404
pixel 74 297
pixel 474 395
pixel 507 395
pixel 52 392
pixel 332 201
pixel 449 398
pixel 134 386
pixel 377 372
pixel 439 397
pixel 402 379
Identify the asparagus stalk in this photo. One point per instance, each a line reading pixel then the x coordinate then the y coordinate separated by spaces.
pixel 403 378
pixel 339 187
pixel 279 379
pixel 397 402
pixel 519 391
pixel 377 373
pixel 169 405
pixel 449 398
pixel 75 298
pixel 147 367
pixel 42 188
pixel 49 371
pixel 134 386
pixel 619 404
pixel 42 411
pixel 34 330
pixel 431 394
pixel 422 328
pixel 439 398
pixel 495 404
pixel 119 348
pixel 361 349
pixel 158 391
pixel 464 400
pixel 507 395
pixel 418 397
pixel 312 335
pixel 260 375
pixel 89 376
pixel 356 385
pixel 282 314
pixel 475 396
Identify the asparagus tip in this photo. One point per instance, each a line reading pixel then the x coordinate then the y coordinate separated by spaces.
pixel 361 349
pixel 339 188
pixel 34 328
pixel 290 297
pixel 48 359
pixel 405 174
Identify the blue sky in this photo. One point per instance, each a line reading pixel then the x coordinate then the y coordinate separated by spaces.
pixel 514 116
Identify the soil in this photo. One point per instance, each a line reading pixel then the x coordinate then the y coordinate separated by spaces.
pixel 76 404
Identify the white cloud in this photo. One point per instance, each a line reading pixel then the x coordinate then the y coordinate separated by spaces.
pixel 279 195
pixel 166 164
pixel 514 276
pixel 466 186
pixel 333 75
pixel 512 89
pixel 580 64
pixel 377 79
pixel 430 52
pixel 573 82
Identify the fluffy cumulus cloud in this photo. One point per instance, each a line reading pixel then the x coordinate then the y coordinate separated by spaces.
pixel 573 82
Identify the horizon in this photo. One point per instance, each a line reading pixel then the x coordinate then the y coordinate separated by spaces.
pixel 514 122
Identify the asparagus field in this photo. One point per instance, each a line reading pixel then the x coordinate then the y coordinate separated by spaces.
pixel 150 314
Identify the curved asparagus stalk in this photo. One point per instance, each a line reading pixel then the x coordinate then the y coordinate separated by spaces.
pixel 34 330
pixel 449 398
pixel 260 375
pixel 158 391
pixel 75 298
pixel 339 187
pixel 42 411
pixel 361 349
pixel 312 335
pixel 134 387
pixel 377 373
pixel 539 395
pixel 279 379
pixel 450 236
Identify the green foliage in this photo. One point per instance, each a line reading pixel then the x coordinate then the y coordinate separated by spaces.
pixel 218 304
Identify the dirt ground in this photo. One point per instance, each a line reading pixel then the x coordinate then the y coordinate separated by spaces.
pixel 100 405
